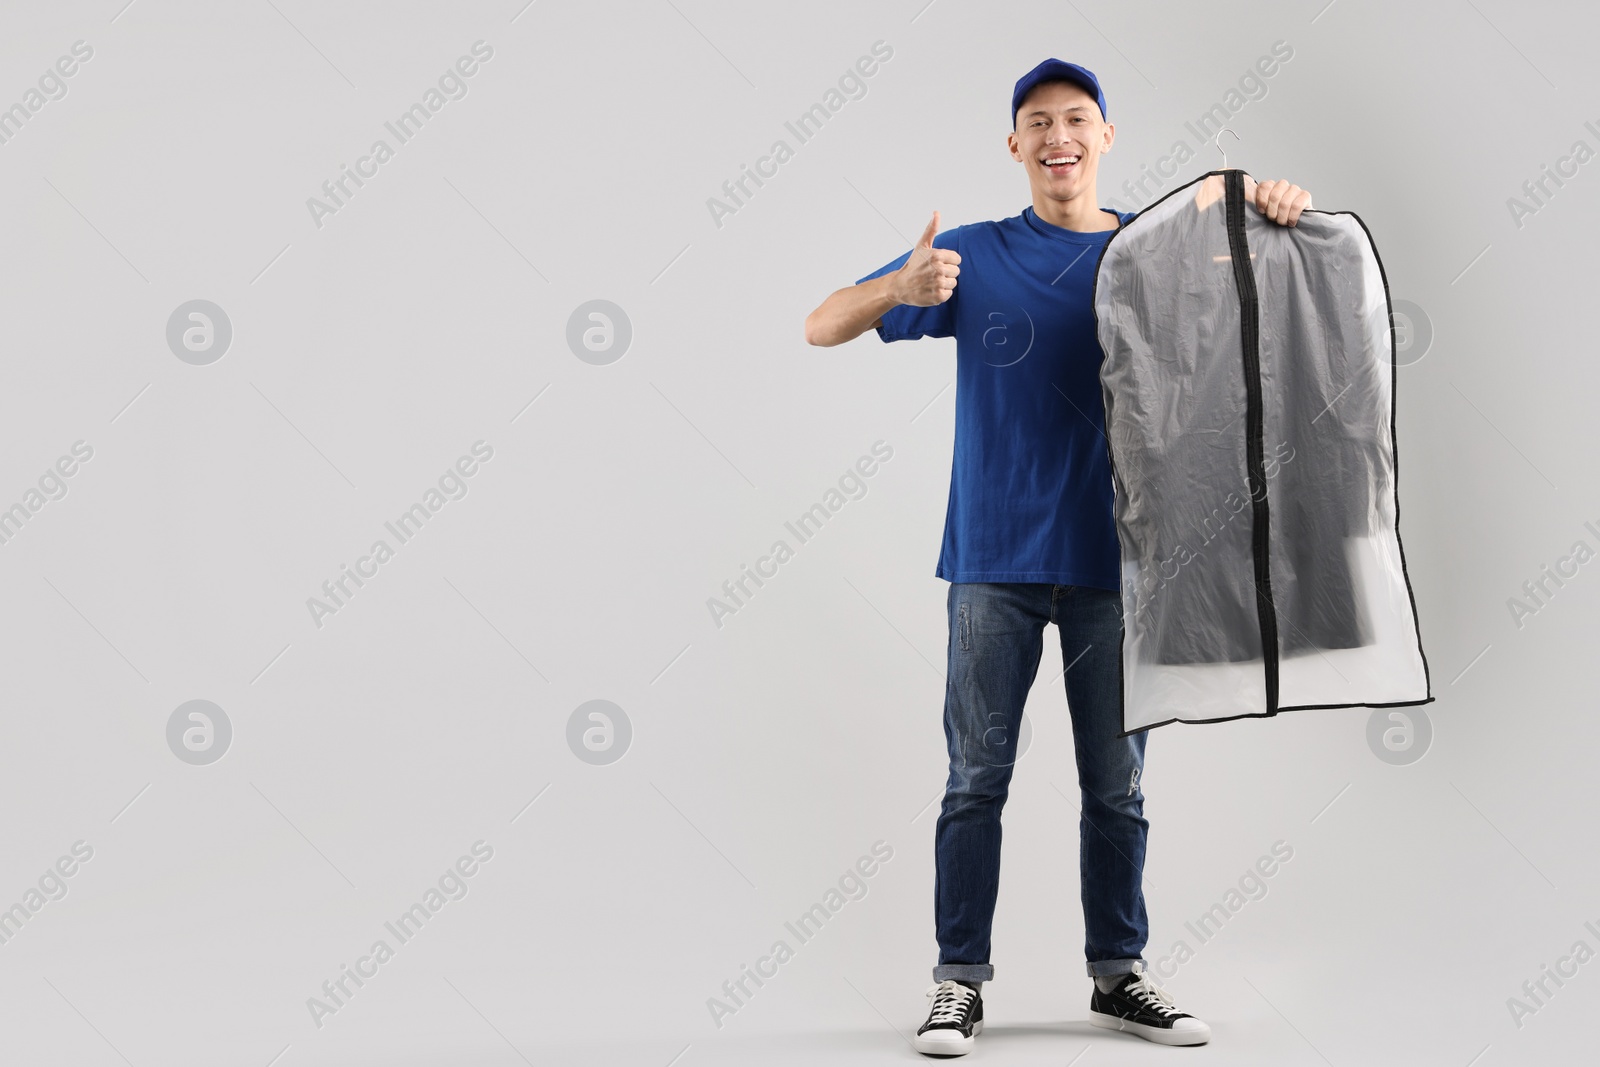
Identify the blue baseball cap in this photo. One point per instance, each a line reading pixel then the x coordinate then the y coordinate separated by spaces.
pixel 1055 70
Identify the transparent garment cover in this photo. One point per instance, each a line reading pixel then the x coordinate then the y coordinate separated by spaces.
pixel 1249 417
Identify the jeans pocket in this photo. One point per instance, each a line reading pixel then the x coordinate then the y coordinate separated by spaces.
pixel 964 627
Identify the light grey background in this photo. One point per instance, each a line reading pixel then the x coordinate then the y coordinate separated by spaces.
pixel 766 755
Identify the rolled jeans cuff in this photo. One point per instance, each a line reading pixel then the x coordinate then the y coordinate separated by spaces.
pixel 1106 968
pixel 964 972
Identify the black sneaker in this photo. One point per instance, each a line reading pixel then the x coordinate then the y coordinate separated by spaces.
pixel 956 1016
pixel 1139 1006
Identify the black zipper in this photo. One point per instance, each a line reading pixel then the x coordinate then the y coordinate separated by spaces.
pixel 1255 433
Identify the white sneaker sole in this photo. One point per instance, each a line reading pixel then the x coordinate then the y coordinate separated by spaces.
pixel 946 1042
pixel 1160 1035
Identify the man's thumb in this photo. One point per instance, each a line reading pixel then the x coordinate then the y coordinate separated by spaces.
pixel 926 241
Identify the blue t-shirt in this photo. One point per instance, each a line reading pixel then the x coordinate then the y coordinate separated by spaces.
pixel 1030 480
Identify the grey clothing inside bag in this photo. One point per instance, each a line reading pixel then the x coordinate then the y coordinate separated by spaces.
pixel 1249 393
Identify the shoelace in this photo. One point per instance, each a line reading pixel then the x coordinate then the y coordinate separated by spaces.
pixel 950 999
pixel 1152 996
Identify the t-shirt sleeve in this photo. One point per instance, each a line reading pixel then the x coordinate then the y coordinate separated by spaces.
pixel 906 322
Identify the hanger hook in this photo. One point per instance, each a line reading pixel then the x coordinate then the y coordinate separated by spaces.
pixel 1216 142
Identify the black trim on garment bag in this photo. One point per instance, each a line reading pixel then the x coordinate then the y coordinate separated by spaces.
pixel 1244 277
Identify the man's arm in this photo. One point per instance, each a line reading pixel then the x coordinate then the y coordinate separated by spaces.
pixel 928 278
pixel 852 311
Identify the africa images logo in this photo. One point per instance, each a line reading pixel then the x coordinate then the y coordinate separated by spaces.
pixel 452 85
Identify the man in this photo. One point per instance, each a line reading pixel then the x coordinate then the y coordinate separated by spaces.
pixel 1029 540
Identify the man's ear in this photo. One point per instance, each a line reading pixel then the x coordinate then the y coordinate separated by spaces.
pixel 1011 145
pixel 1111 135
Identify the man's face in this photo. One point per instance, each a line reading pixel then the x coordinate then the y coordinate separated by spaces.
pixel 1059 139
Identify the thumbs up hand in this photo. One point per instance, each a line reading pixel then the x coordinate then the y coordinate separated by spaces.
pixel 929 274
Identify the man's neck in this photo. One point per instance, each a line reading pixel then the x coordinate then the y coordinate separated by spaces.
pixel 1081 213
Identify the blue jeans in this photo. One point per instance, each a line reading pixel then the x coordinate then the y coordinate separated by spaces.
pixel 996 638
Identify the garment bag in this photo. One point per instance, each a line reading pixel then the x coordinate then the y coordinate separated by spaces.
pixel 1249 396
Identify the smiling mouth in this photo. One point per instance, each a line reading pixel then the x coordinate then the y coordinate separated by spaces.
pixel 1061 163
